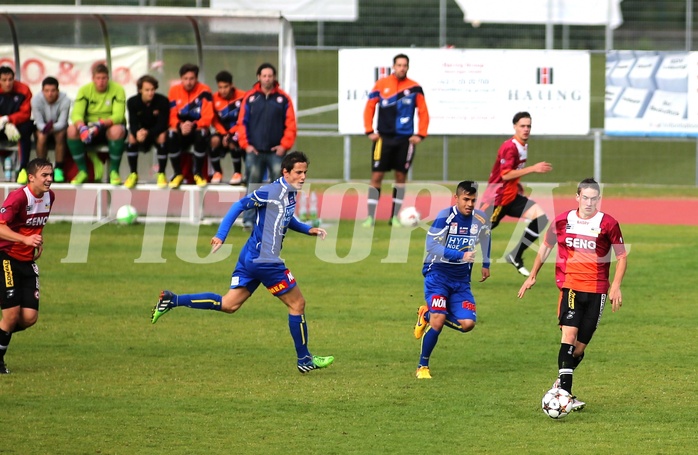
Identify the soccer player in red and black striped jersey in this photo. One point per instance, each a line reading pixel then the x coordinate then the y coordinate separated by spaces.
pixel 503 195
pixel 22 219
pixel 584 239
pixel 394 139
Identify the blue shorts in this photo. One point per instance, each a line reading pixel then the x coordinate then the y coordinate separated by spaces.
pixel 445 296
pixel 273 275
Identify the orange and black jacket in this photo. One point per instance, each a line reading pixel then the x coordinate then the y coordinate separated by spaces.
pixel 226 111
pixel 194 106
pixel 266 121
pixel 397 101
pixel 16 104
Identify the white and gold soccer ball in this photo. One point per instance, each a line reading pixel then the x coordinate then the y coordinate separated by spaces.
pixel 409 216
pixel 557 403
pixel 126 214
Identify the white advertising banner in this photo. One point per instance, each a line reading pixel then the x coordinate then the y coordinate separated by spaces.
pixel 651 93
pixel 477 92
pixel 570 12
pixel 298 10
pixel 73 66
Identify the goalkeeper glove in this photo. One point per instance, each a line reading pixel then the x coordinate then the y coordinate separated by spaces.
pixel 12 132
pixel 85 134
pixel 4 120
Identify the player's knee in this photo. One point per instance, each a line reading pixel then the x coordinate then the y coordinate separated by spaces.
pixel 466 325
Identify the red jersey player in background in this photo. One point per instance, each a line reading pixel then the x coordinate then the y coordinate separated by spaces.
pixel 226 107
pixel 584 239
pixel 503 195
pixel 22 219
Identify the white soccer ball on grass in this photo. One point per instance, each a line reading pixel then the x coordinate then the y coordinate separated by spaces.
pixel 126 214
pixel 409 216
pixel 557 403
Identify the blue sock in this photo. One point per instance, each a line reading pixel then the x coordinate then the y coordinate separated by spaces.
pixel 429 340
pixel 201 301
pixel 299 332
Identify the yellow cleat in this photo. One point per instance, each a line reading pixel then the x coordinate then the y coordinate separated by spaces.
pixel 423 373
pixel 200 181
pixel 131 180
pixel 162 180
pixel 22 177
pixel 79 178
pixel 422 323
pixel 176 181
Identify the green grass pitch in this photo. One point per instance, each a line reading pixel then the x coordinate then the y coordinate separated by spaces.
pixel 95 377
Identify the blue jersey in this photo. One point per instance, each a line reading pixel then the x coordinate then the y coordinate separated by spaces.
pixel 275 205
pixel 452 234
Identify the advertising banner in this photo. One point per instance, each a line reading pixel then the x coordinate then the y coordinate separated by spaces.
pixel 73 66
pixel 651 93
pixel 476 92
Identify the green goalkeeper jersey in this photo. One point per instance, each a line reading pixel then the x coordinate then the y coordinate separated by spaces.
pixel 91 106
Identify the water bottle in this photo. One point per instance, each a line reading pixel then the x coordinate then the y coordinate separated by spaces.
pixel 8 169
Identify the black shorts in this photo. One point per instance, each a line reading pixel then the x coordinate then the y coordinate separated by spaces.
pixel 515 209
pixel 582 310
pixel 392 153
pixel 20 283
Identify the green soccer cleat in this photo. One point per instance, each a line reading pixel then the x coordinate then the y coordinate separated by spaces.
pixel 395 222
pixel 58 176
pixel 114 178
pixel 163 306
pixel 22 177
pixel 313 363
pixel 368 222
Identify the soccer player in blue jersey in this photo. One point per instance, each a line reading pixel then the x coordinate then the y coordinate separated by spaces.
pixel 259 260
pixel 451 249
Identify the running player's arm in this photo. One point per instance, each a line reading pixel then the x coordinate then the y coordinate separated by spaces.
pixel 614 293
pixel 538 168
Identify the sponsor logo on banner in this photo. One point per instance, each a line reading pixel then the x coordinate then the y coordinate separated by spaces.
pixel 380 72
pixel 545 75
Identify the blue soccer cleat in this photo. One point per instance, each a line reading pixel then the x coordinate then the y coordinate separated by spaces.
pixel 163 306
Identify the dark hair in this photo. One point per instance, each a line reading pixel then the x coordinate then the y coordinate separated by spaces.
pixel 588 183
pixel 467 186
pixel 188 68
pixel 36 164
pixel 291 159
pixel 401 56
pixel 100 68
pixel 149 79
pixel 7 70
pixel 50 80
pixel 224 76
pixel 264 66
pixel 519 115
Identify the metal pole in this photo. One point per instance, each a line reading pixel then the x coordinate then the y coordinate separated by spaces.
pixel 689 25
pixel 598 154
pixel 442 23
pixel 347 158
pixel 444 157
pixel 609 30
pixel 320 34
pixel 549 29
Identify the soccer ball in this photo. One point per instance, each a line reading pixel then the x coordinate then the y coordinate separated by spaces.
pixel 126 214
pixel 557 403
pixel 409 216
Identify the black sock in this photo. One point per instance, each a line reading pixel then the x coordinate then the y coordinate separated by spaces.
pixel 578 360
pixel 237 163
pixel 132 156
pixel 565 363
pixel 215 155
pixel 58 165
pixel 398 196
pixel 161 154
pixel 5 338
pixel 531 233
